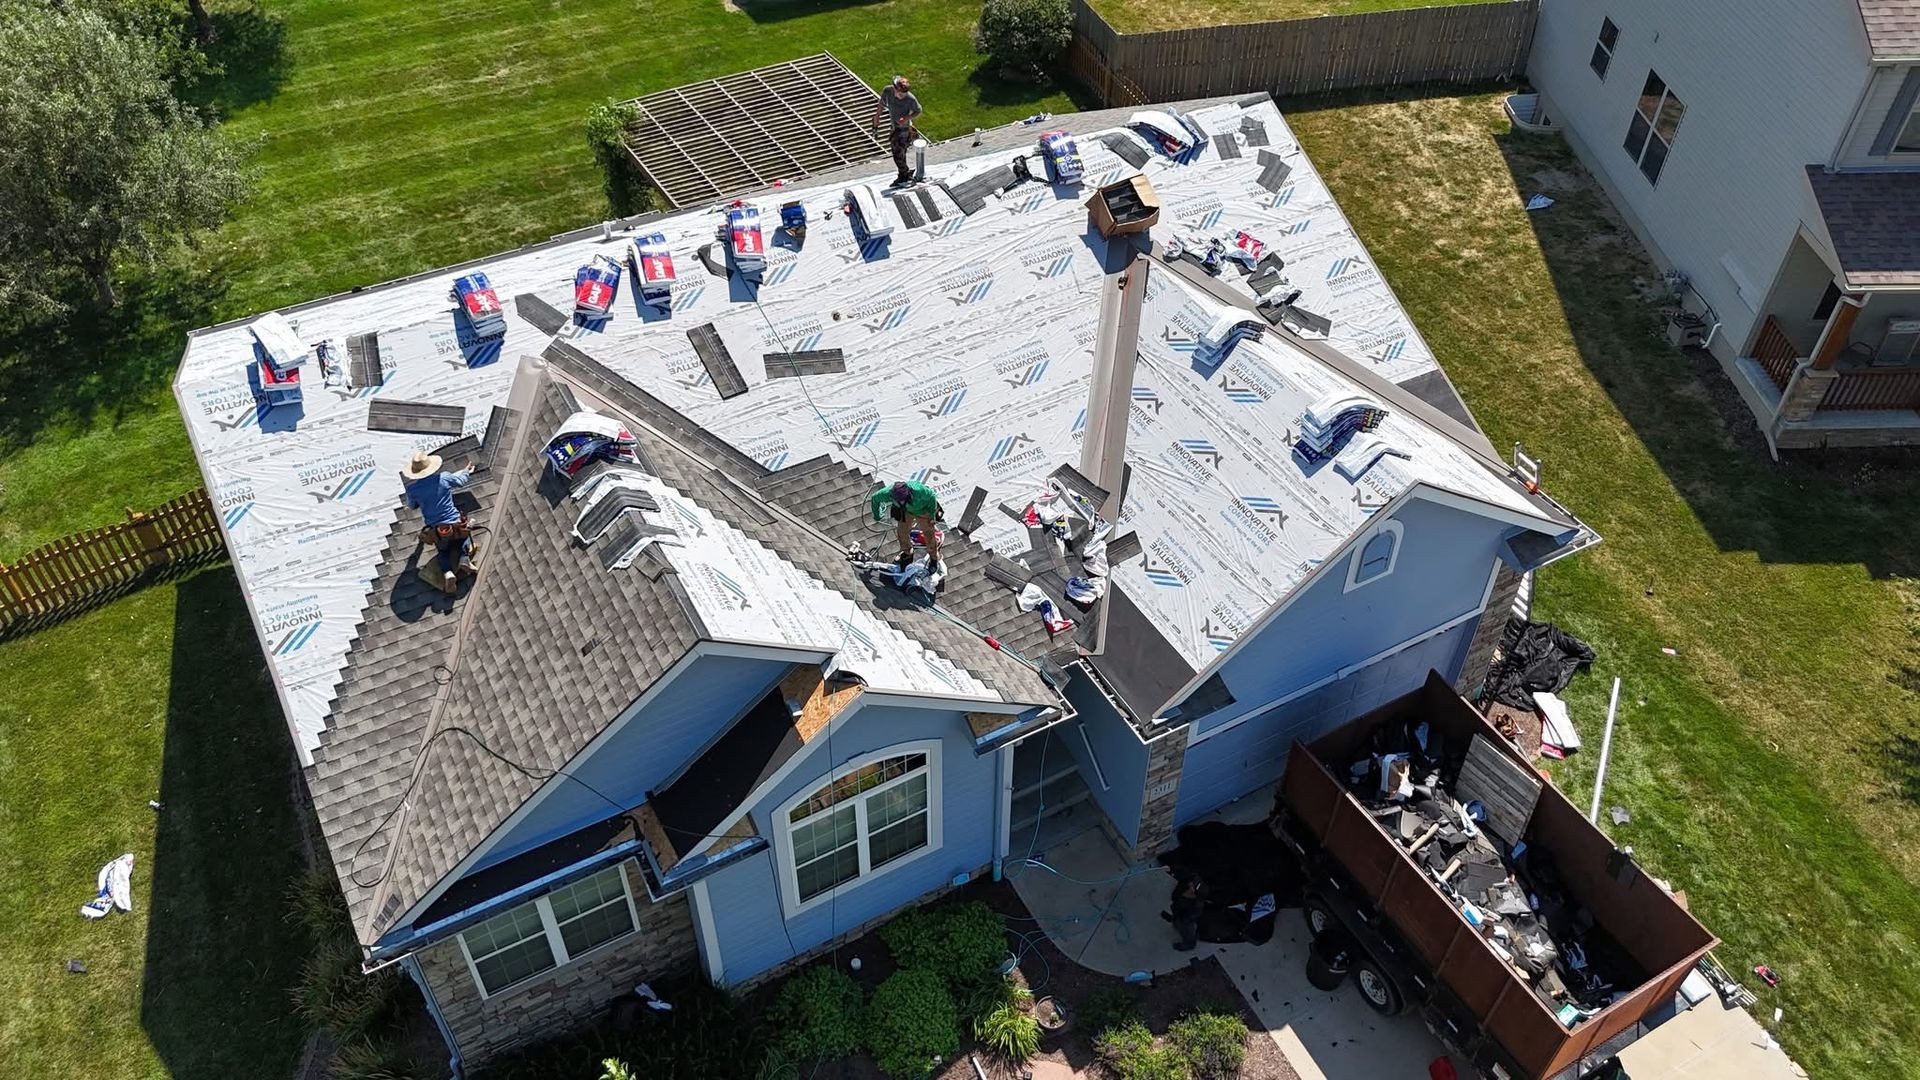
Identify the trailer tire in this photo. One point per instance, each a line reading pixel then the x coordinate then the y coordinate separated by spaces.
pixel 1320 918
pixel 1378 989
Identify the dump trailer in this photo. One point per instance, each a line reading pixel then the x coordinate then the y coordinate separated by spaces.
pixel 1383 915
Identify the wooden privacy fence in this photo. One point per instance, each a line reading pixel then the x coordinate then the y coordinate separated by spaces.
pixel 73 573
pixel 1459 43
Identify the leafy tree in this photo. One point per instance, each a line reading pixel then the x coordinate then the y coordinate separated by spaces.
pixel 1024 37
pixel 98 160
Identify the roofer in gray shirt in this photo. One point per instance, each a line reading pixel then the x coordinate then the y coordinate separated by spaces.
pixel 899 106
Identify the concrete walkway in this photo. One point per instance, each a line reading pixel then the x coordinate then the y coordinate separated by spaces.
pixel 1106 915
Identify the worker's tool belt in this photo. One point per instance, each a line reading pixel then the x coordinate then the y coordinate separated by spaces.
pixel 458 530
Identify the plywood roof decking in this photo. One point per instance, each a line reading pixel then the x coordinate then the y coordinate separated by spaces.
pixel 704 140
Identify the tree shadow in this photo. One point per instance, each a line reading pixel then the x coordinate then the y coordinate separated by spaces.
pixel 779 11
pixel 87 365
pixel 990 87
pixel 220 957
pixel 1899 762
pixel 1831 506
pixel 249 54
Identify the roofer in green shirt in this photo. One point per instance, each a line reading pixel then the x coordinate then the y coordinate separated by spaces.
pixel 913 505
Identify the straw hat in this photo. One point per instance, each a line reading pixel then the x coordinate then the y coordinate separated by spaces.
pixel 422 466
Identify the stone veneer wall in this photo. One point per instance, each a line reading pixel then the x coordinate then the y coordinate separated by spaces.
pixel 1486 635
pixel 568 996
pixel 1166 756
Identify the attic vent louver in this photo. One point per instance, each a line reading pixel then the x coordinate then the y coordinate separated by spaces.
pixel 617 499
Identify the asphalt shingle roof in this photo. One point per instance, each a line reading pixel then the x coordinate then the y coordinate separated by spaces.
pixel 1874 221
pixel 452 712
pixel 1893 27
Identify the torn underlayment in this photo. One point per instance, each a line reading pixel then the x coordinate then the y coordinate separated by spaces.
pixel 965 342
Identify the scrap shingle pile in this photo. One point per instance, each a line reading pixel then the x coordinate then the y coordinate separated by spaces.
pixel 1423 790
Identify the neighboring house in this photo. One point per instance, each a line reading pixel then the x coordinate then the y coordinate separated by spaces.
pixel 1769 151
pixel 687 737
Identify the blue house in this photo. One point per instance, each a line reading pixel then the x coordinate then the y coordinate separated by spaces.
pixel 678 722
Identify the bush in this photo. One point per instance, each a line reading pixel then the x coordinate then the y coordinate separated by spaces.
pixel 1129 1053
pixel 1213 1044
pixel 964 943
pixel 816 1015
pixel 910 1022
pixel 708 1034
pixel 606 128
pixel 367 1059
pixel 1113 1007
pixel 334 994
pixel 1009 1032
pixel 1024 37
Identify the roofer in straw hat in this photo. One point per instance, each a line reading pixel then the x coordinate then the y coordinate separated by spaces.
pixel 432 490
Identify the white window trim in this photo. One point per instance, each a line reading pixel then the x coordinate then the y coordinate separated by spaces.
pixel 1599 41
pixel 1653 130
pixel 1895 150
pixel 783 828
pixel 1399 532
pixel 548 923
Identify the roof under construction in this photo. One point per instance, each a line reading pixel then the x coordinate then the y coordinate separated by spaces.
pixel 964 358
pixel 704 140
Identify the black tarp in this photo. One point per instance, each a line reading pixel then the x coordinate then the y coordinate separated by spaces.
pixel 1238 864
pixel 1534 657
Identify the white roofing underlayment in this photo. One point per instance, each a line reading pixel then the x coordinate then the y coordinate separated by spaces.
pixel 745 594
pixel 968 344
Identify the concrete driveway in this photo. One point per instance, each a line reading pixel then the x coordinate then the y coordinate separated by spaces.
pixel 1106 915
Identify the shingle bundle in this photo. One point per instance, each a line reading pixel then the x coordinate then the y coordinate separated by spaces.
pixel 1062 156
pixel 1328 422
pixel 595 287
pixel 481 304
pixel 278 356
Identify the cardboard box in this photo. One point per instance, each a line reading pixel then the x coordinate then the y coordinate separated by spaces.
pixel 1130 206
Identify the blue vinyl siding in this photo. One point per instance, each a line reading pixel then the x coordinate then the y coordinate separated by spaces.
pixel 1440 574
pixel 749 921
pixel 1123 757
pixel 1246 758
pixel 673 729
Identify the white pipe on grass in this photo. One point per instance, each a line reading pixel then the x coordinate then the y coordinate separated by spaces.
pixel 1606 750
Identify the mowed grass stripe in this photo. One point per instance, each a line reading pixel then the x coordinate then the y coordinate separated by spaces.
pixel 1754 762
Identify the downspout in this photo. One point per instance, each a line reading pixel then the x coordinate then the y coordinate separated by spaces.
pixel 411 965
pixel 1003 812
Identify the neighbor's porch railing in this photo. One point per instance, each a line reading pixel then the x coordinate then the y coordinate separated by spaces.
pixel 1775 352
pixel 1874 388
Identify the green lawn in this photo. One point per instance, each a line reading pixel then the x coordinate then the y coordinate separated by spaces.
pixel 1141 16
pixel 1772 767
pixel 397 137
pixel 1773 770
pixel 157 696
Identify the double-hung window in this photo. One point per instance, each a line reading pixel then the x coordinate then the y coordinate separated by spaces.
pixel 1655 121
pixel 871 818
pixel 555 929
pixel 1603 48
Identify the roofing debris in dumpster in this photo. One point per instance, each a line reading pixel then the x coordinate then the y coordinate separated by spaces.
pixel 1460 810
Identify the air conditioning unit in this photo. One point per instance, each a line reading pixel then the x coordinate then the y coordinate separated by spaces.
pixel 1899 342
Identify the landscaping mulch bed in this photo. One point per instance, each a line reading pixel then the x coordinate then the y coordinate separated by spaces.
pixel 1049 973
